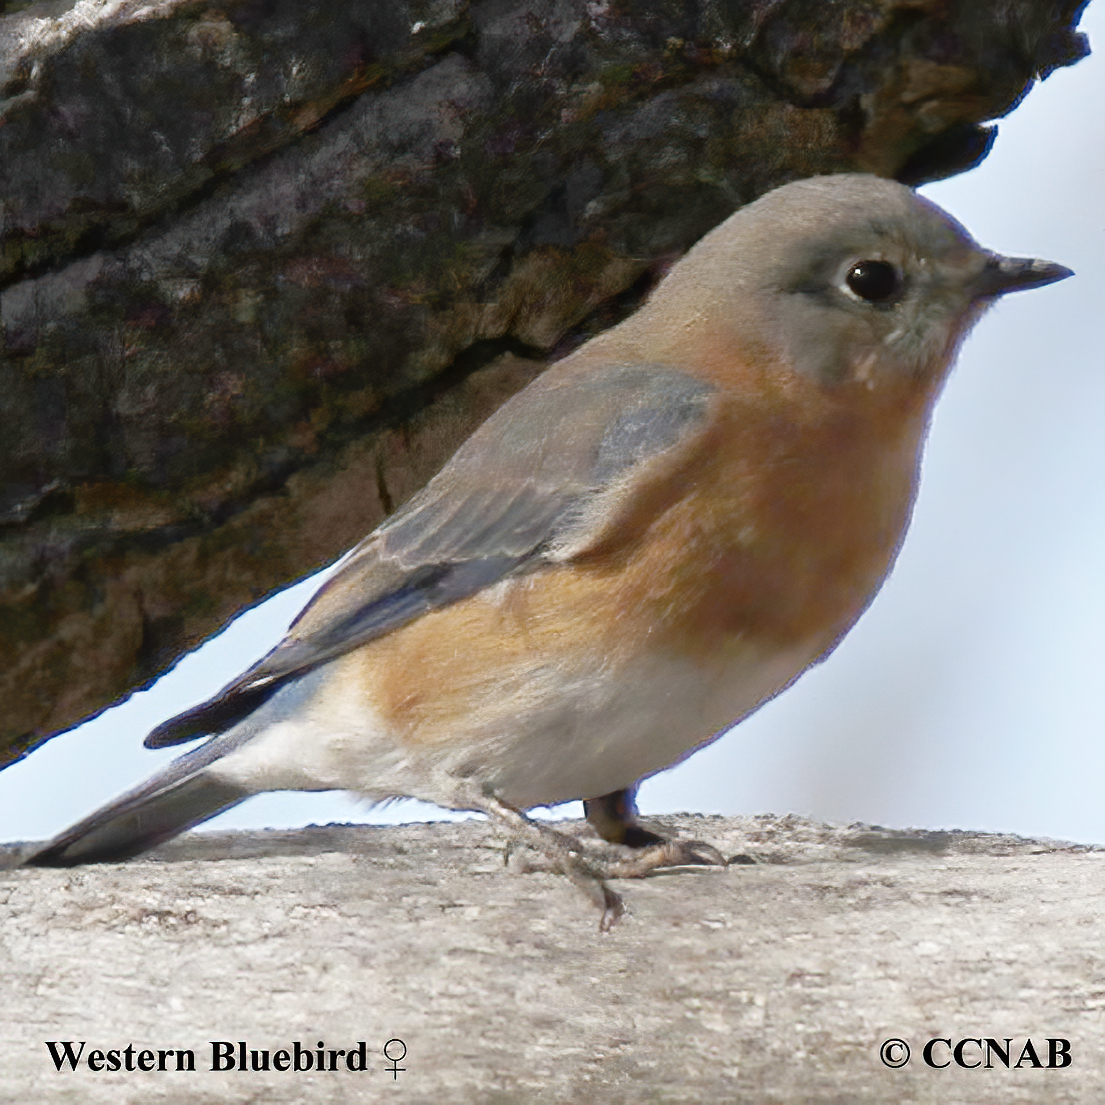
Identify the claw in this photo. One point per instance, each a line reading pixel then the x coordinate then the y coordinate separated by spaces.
pixel 692 853
pixel 640 851
pixel 613 909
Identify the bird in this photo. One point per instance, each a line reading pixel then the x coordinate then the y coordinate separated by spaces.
pixel 655 537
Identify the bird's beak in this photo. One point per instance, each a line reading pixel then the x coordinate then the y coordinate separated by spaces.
pixel 1011 274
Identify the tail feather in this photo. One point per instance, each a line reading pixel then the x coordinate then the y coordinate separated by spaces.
pixel 125 828
pixel 175 799
pixel 216 715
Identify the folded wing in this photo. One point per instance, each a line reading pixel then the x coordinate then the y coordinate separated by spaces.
pixel 534 485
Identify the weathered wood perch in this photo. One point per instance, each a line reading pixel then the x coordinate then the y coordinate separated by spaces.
pixel 265 265
pixel 773 982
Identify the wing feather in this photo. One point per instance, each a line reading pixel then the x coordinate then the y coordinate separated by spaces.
pixel 530 481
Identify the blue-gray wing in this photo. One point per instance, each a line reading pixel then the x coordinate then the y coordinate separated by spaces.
pixel 537 483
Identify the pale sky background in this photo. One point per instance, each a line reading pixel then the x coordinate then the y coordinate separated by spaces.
pixel 972 693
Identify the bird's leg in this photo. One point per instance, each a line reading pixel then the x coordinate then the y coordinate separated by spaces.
pixel 614 818
pixel 565 851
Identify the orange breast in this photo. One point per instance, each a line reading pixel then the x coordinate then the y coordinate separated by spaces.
pixel 790 512
pixel 775 529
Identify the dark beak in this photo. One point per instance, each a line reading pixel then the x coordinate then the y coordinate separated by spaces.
pixel 1011 274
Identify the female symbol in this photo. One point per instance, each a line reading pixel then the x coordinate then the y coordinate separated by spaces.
pixel 394 1069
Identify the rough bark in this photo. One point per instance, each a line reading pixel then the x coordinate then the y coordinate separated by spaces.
pixel 264 265
pixel 771 982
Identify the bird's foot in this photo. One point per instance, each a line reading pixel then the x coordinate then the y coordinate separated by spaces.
pixel 614 818
pixel 560 852
pixel 664 853
pixel 636 854
pixel 590 870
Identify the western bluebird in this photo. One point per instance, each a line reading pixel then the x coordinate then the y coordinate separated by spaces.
pixel 654 538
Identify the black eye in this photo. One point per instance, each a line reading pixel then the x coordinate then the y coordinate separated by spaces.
pixel 875 281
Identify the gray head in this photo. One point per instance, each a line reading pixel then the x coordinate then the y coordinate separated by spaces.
pixel 844 278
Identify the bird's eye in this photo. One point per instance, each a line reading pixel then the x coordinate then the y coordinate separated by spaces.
pixel 874 281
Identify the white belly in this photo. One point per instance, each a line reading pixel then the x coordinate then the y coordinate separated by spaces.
pixel 595 737
pixel 542 737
